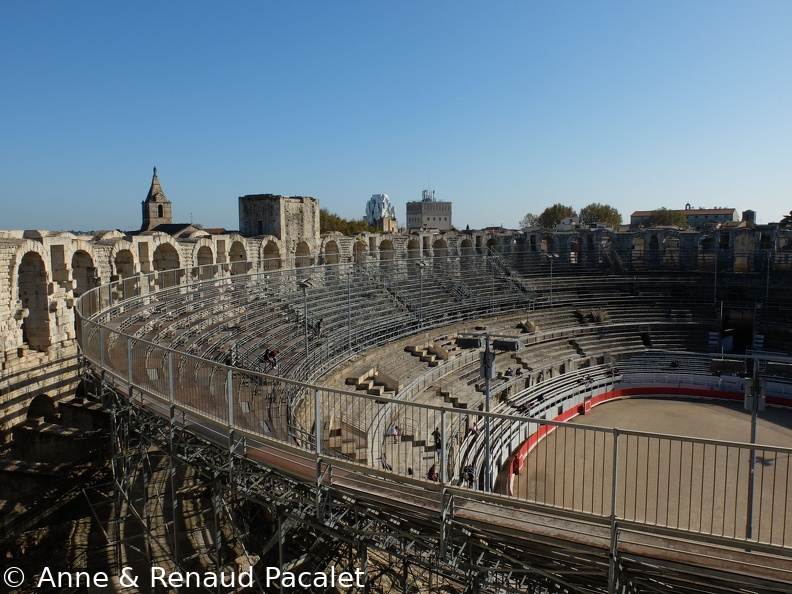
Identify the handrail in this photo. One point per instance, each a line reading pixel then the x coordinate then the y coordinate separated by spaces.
pixel 100 343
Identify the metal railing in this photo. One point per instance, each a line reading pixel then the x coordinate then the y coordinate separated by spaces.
pixel 687 484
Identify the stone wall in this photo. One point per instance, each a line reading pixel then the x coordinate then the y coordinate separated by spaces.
pixel 42 273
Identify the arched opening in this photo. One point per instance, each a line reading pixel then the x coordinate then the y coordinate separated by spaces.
pixel 159 210
pixel 270 257
pixel 607 254
pixel 744 252
pixel 166 258
pixel 548 245
pixel 332 254
pixel 638 249
pixel 575 248
pixel 124 264
pixel 33 295
pixel 467 248
pixel 42 406
pixel 468 252
pixel 386 250
pixel 302 256
pixel 204 260
pixel 237 255
pixel 723 241
pixel 671 253
pixel 654 242
pixel 413 249
pixel 492 244
pixel 706 253
pixel 440 248
pixel 360 251
pixel 82 272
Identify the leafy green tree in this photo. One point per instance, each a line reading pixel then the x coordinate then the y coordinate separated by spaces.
pixel 329 221
pixel 665 217
pixel 552 215
pixel 600 213
pixel 529 220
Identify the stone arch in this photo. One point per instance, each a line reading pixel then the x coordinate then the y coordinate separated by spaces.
pixel 440 248
pixel 237 255
pixel 203 254
pixel 302 255
pixel 166 258
pixel 32 295
pixel 332 255
pixel 671 251
pixel 493 244
pixel 124 263
pixel 467 247
pixel 386 250
pixel 549 245
pixel 42 406
pixel 204 261
pixel 83 272
pixel 607 246
pixel 413 249
pixel 706 253
pixel 744 251
pixel 359 250
pixel 638 250
pixel 654 242
pixel 237 252
pixel 575 249
pixel 270 256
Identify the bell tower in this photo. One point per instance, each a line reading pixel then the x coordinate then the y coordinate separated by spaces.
pixel 156 207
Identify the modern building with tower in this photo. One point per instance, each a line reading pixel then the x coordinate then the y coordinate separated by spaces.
pixel 429 213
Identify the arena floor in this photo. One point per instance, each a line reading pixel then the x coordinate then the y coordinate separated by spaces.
pixel 701 486
pixel 706 419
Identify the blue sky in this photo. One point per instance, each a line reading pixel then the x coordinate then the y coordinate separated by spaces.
pixel 502 108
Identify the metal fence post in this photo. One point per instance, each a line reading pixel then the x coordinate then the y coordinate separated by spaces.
pixel 612 565
pixel 318 423
pixel 444 499
pixel 130 375
pixel 171 390
pixel 230 395
pixel 101 347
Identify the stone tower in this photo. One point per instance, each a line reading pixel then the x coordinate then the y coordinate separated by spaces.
pixel 156 207
pixel 294 218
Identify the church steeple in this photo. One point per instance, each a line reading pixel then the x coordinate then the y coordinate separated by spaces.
pixel 156 207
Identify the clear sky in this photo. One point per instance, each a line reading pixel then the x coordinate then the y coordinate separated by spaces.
pixel 502 108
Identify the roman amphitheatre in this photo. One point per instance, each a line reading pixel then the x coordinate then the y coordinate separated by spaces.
pixel 141 389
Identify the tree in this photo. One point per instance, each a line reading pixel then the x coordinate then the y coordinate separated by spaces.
pixel 552 215
pixel 665 217
pixel 529 220
pixel 329 221
pixel 600 213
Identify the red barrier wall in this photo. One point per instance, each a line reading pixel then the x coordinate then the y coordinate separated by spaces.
pixel 519 457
